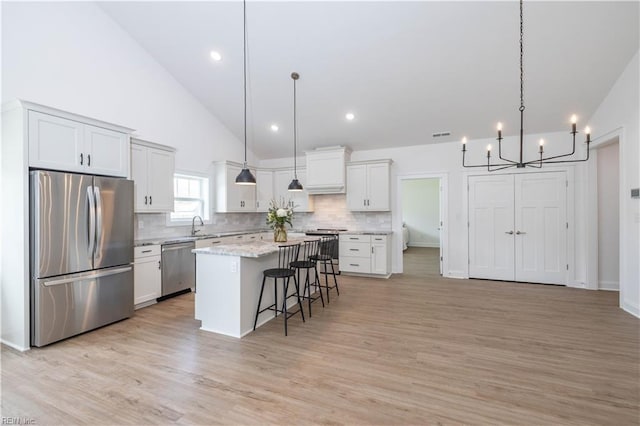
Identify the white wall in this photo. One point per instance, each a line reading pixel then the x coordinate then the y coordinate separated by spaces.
pixel 421 211
pixel 608 217
pixel 72 56
pixel 619 113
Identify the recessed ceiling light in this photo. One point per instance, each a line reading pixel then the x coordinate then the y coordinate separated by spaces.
pixel 216 56
pixel 274 128
pixel 349 116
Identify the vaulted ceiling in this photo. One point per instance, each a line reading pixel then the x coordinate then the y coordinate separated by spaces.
pixel 405 69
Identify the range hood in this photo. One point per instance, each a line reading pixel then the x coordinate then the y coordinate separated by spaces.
pixel 326 170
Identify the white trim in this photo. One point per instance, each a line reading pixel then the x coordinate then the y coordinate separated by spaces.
pixel 609 285
pixel 444 217
pixel 209 221
pixel 426 245
pixel 631 308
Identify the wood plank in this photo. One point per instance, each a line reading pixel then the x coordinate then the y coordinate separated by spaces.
pixel 413 349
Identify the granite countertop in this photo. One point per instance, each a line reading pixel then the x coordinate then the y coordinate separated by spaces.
pixel 388 232
pixel 257 248
pixel 180 239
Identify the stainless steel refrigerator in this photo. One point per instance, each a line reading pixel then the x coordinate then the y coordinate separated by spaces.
pixel 81 253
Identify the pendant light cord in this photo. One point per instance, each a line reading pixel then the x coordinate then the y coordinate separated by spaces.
pixel 295 133
pixel 244 60
pixel 521 59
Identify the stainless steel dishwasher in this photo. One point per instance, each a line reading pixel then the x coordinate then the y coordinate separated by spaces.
pixel 178 267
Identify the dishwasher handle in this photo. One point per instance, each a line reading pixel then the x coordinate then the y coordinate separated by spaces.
pixel 179 246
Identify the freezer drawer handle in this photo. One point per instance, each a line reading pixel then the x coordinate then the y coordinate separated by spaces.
pixel 87 277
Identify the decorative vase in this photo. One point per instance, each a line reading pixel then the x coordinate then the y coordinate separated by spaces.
pixel 280 234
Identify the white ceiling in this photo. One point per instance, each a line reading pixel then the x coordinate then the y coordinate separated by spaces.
pixel 405 69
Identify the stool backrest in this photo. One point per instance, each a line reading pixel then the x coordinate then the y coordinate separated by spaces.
pixel 287 254
pixel 329 246
pixel 310 249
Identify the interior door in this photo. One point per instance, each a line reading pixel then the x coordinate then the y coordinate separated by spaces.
pixel 491 227
pixel 541 227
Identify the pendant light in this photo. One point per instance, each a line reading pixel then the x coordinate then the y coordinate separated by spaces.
pixel 245 177
pixel 295 184
pixel 520 163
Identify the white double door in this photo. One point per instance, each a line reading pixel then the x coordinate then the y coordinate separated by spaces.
pixel 518 227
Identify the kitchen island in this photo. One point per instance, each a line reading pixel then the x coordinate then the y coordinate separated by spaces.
pixel 228 280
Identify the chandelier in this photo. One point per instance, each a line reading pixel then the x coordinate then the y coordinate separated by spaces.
pixel 520 163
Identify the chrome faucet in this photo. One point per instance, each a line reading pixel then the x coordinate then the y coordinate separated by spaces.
pixel 194 231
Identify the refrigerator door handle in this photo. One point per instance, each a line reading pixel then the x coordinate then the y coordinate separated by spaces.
pixel 98 216
pixel 86 276
pixel 92 220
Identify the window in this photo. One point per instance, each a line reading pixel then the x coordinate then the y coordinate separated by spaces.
pixel 191 197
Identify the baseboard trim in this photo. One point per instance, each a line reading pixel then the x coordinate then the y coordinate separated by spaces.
pixel 459 275
pixel 14 346
pixel 631 308
pixel 609 285
pixel 428 245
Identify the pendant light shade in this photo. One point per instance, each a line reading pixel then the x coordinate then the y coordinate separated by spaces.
pixel 295 184
pixel 245 177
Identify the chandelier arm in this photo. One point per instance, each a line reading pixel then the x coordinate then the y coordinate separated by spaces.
pixel 485 165
pixel 580 160
pixel 489 169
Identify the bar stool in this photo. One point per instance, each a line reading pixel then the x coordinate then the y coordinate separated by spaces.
pixel 286 255
pixel 308 252
pixel 326 253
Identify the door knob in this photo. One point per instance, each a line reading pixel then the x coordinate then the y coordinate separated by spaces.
pixel 520 233
pixel 509 232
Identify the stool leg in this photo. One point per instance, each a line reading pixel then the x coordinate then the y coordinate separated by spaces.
pixel 307 289
pixel 275 297
pixel 298 296
pixel 326 278
pixel 335 280
pixel 284 303
pixel 318 286
pixel 255 322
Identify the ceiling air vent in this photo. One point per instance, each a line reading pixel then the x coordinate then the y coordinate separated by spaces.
pixel 441 134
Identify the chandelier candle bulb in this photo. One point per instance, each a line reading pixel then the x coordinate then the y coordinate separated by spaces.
pixel 464 144
pixel 499 130
pixel 574 120
pixel 541 146
pixel 587 131
pixel 488 150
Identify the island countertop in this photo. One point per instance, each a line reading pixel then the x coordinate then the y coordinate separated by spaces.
pixel 256 248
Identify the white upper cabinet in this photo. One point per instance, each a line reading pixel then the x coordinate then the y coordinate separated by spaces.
pixel 368 186
pixel 152 169
pixel 300 200
pixel 231 197
pixel 264 189
pixel 60 143
pixel 326 170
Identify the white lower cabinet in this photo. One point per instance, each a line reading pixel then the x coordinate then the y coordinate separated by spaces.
pixel 365 254
pixel 147 275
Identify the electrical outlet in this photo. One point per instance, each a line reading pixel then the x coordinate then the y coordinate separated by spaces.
pixel 140 224
pixel 234 267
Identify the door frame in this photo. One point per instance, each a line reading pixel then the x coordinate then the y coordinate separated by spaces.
pixel 569 169
pixel 444 216
pixel 592 207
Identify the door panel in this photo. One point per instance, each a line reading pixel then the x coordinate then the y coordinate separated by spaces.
pixel 490 219
pixel 55 143
pixel 60 207
pixel 114 222
pixel 541 245
pixel 107 151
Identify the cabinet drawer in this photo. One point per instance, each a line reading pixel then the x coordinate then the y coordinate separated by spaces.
pixel 146 251
pixel 361 265
pixel 380 239
pixel 207 242
pixel 355 249
pixel 355 238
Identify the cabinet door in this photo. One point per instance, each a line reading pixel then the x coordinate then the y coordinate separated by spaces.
pixel 378 187
pixel 107 151
pixel 281 181
pixel 160 180
pixel 264 189
pixel 379 255
pixel 301 199
pixel 326 170
pixel 357 187
pixel 237 196
pixel 139 177
pixel 55 143
pixel 146 280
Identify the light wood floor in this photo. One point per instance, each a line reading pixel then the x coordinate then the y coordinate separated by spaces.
pixel 414 349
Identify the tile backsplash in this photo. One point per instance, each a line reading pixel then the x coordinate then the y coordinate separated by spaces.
pixel 330 211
